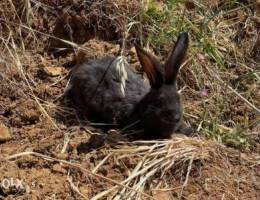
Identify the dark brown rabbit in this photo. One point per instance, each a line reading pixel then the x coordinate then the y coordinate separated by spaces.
pixel 156 109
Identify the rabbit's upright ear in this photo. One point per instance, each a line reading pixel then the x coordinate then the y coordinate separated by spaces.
pixel 175 60
pixel 151 66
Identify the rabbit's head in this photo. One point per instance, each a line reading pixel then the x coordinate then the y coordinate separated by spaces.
pixel 160 111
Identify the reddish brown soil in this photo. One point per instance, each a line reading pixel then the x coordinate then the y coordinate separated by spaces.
pixel 39 120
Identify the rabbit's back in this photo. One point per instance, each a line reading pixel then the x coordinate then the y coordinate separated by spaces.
pixel 96 90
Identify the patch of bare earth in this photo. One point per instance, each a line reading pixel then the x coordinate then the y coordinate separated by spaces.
pixel 50 154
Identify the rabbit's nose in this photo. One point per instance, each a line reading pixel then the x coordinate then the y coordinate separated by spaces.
pixel 171 115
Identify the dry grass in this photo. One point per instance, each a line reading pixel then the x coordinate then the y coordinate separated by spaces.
pixel 154 166
pixel 154 157
pixel 219 83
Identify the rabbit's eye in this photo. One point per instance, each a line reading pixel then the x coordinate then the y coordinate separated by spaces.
pixel 177 117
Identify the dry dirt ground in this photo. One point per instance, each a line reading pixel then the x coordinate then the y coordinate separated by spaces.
pixel 54 155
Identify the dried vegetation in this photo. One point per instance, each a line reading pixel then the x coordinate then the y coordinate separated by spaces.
pixel 58 156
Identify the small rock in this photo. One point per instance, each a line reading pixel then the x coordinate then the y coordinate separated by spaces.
pixel 62 156
pixel 5 133
pixel 53 71
pixel 47 68
pixel 58 168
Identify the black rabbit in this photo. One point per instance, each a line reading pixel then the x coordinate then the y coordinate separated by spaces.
pixel 156 109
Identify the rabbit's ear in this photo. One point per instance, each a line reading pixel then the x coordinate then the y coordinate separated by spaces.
pixel 151 66
pixel 175 60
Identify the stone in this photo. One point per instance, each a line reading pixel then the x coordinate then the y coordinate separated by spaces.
pixel 58 168
pixel 5 133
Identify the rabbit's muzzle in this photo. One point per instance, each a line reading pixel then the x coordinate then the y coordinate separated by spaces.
pixel 169 116
pixel 162 123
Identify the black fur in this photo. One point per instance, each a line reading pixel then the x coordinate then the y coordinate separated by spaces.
pixel 157 108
